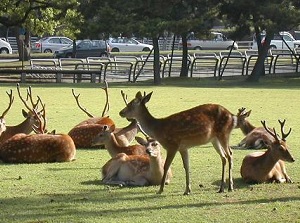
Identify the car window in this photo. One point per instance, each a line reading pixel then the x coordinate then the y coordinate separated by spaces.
pixel 85 44
pixel 65 41
pixel 287 38
pixel 54 40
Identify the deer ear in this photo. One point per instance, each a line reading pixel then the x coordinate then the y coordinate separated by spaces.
pixel 248 113
pixel 24 113
pixel 141 140
pixel 147 98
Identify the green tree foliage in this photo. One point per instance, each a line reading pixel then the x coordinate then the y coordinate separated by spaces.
pixel 271 16
pixel 40 17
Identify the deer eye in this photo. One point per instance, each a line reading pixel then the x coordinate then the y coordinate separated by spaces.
pixel 154 144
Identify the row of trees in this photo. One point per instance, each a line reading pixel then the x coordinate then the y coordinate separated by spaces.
pixel 152 19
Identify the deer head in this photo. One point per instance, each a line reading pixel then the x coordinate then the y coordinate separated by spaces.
pixel 279 146
pixel 2 120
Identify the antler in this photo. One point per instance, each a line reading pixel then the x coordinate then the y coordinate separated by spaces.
pixel 11 100
pixel 274 134
pixel 106 107
pixel 284 135
pixel 41 128
pixel 124 96
pixel 240 111
pixel 78 104
pixel 29 96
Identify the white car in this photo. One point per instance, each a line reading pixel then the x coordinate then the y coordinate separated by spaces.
pixel 277 42
pixel 128 45
pixel 5 47
pixel 216 41
pixel 51 44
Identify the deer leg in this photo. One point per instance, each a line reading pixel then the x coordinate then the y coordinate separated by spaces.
pixel 186 164
pixel 169 159
pixel 220 151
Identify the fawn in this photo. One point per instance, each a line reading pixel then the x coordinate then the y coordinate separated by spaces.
pixel 268 166
pixel 107 138
pixel 178 132
pixel 136 170
pixel 38 148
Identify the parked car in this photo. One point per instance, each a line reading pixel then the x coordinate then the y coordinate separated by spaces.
pixel 85 48
pixel 277 42
pixel 216 41
pixel 128 45
pixel 51 44
pixel 5 47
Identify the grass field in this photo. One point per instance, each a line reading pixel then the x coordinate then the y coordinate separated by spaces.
pixel 72 192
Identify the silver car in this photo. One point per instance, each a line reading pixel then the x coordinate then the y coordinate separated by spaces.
pixel 128 45
pixel 51 44
pixel 5 47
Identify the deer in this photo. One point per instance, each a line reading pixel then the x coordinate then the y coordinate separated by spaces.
pixel 107 138
pixel 254 136
pixel 84 133
pixel 3 126
pixel 268 166
pixel 136 170
pixel 180 131
pixel 30 118
pixel 38 148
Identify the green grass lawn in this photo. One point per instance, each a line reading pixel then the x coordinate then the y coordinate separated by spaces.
pixel 72 192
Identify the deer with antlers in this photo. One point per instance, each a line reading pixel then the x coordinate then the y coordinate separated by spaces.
pixel 3 126
pixel 178 132
pixel 39 147
pixel 30 117
pixel 268 166
pixel 136 170
pixel 107 138
pixel 254 136
pixel 84 133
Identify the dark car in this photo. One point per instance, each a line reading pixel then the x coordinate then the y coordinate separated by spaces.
pixel 84 49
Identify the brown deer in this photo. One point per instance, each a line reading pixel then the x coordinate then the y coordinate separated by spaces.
pixel 268 166
pixel 178 132
pixel 255 137
pixel 107 138
pixel 38 148
pixel 136 170
pixel 84 133
pixel 2 120
pixel 30 118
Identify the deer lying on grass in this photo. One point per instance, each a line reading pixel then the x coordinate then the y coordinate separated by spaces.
pixel 84 133
pixel 30 118
pixel 107 138
pixel 136 170
pixel 178 132
pixel 2 120
pixel 39 147
pixel 255 137
pixel 268 166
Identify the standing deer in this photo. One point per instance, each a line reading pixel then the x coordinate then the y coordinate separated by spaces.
pixel 268 166
pixel 136 170
pixel 30 118
pixel 2 120
pixel 255 137
pixel 38 148
pixel 178 132
pixel 107 138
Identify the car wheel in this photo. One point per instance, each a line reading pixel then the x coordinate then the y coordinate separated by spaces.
pixel 69 55
pixel 115 50
pixel 197 48
pixel 146 49
pixel 273 47
pixel 47 51
pixel 4 51
pixel 103 55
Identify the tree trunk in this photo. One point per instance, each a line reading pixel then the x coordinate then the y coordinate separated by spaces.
pixel 24 44
pixel 156 63
pixel 184 65
pixel 259 67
